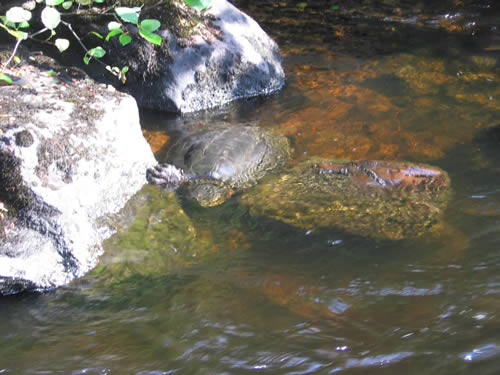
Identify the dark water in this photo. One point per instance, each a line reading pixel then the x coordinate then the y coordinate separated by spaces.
pixel 185 290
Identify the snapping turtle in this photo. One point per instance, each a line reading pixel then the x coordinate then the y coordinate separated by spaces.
pixel 381 199
pixel 209 166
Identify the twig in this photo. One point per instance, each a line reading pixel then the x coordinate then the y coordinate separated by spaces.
pixel 38 32
pixel 18 42
pixel 155 5
pixel 68 25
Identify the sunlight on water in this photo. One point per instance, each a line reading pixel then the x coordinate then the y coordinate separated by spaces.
pixel 238 289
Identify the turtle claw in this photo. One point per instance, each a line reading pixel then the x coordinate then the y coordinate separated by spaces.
pixel 166 175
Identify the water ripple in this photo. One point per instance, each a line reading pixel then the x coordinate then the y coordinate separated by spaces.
pixel 481 353
pixel 407 291
pixel 357 288
pixel 378 360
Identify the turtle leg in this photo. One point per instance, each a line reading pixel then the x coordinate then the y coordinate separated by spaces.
pixel 166 175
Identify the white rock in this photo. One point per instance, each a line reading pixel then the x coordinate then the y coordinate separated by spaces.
pixel 86 161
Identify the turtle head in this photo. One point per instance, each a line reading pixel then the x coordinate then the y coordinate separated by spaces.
pixel 166 175
pixel 208 192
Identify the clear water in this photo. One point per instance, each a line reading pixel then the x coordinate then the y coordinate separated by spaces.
pixel 187 290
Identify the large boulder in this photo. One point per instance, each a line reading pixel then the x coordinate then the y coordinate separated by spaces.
pixel 71 154
pixel 205 60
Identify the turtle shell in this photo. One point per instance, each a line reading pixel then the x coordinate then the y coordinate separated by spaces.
pixel 237 155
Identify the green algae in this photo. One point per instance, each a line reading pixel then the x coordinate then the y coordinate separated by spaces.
pixel 307 198
pixel 155 237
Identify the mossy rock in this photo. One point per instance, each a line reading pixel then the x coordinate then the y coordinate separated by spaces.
pixel 390 200
pixel 155 237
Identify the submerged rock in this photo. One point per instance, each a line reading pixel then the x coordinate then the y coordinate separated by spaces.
pixel 223 56
pixel 71 153
pixel 155 237
pixel 392 200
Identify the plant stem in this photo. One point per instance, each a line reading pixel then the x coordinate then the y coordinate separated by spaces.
pixel 18 42
pixel 38 32
pixel 68 25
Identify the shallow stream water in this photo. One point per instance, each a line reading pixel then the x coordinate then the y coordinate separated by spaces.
pixel 186 290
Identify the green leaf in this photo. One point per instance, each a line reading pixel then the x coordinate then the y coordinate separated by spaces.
pixel 6 78
pixel 62 44
pixel 96 34
pixel 125 39
pixel 12 25
pixel 148 26
pixel 97 52
pixel 334 7
pixel 124 70
pixel 84 2
pixel 130 15
pixel 301 5
pixel 17 60
pixel 99 1
pixel 51 18
pixel 24 25
pixel 67 4
pixel 114 25
pixel 199 4
pixel 18 34
pixel 151 37
pixel 18 14
pixel 112 33
pixel 53 3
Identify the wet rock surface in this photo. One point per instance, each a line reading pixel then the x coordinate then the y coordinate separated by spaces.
pixel 392 200
pixel 71 153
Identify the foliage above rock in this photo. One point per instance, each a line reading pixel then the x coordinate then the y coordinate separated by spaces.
pixel 125 20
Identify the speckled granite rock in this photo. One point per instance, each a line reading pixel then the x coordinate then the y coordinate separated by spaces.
pixel 71 153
